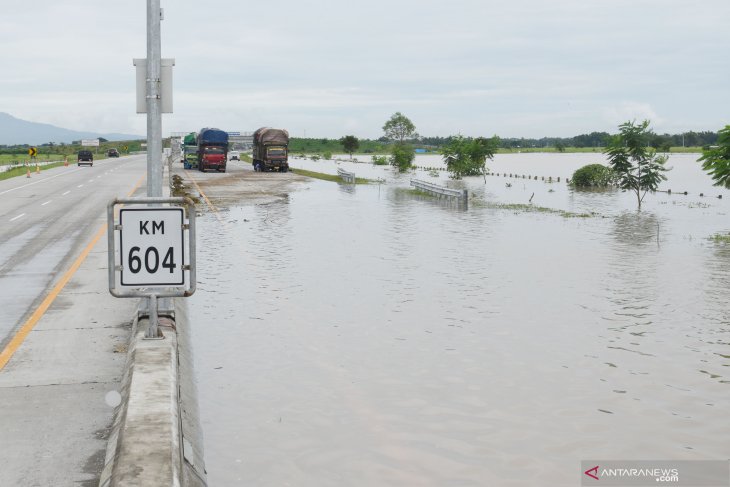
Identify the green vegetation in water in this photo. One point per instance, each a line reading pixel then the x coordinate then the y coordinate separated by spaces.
pixel 593 176
pixel 179 188
pixel 23 170
pixel 328 177
pixel 721 238
pixel 539 209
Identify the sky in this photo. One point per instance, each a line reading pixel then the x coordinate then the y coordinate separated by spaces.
pixel 328 68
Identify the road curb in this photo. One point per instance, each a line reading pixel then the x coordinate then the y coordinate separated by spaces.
pixel 148 444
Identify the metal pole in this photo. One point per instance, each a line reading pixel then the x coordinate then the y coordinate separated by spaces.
pixel 154 103
pixel 154 125
pixel 152 330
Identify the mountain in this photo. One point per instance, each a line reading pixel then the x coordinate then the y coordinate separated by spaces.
pixel 16 131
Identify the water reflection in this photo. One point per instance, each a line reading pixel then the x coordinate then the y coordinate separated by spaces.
pixel 390 340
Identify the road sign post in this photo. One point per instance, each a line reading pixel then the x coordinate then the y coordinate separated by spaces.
pixel 148 256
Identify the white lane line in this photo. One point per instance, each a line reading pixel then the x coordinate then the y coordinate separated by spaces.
pixel 44 204
pixel 67 192
pixel 91 180
pixel 16 217
pixel 80 186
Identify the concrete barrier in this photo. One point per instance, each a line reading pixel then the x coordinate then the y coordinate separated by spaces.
pixel 156 437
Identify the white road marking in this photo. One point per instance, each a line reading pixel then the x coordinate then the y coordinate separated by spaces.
pixel 80 186
pixel 16 217
pixel 67 192
pixel 44 204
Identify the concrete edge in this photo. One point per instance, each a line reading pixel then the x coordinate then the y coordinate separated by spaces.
pixel 156 437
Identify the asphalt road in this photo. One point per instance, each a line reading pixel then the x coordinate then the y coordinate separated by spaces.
pixel 58 389
pixel 45 222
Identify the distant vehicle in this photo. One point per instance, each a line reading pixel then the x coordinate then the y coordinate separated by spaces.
pixel 85 157
pixel 190 151
pixel 212 149
pixel 234 156
pixel 112 153
pixel 270 149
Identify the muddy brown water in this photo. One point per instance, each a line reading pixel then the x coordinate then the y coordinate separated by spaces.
pixel 364 336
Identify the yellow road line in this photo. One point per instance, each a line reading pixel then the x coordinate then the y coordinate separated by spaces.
pixel 207 201
pixel 30 323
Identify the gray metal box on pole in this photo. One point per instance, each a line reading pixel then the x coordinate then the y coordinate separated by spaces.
pixel 165 84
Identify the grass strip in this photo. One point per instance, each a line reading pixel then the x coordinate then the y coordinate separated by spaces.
pixel 328 177
pixel 22 171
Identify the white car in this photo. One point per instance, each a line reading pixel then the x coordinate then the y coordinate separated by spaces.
pixel 234 156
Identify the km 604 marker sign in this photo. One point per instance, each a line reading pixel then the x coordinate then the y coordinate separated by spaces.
pixel 151 255
pixel 152 246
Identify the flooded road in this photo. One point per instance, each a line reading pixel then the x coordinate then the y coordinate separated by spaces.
pixel 365 336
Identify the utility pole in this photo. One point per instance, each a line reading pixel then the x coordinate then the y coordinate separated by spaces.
pixel 154 102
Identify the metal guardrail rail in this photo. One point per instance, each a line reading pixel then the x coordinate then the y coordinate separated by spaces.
pixel 348 177
pixel 440 191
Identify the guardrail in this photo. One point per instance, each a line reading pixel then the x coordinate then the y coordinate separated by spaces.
pixel 440 191
pixel 30 165
pixel 348 177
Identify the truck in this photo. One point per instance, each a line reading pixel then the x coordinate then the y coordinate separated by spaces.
pixel 270 150
pixel 190 151
pixel 212 149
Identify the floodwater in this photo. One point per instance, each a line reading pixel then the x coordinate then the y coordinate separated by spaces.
pixel 366 336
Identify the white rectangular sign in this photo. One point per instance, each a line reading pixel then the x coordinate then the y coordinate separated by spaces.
pixel 90 142
pixel 151 246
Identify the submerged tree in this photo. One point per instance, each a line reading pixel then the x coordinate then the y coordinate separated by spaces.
pixel 402 156
pixel 399 128
pixel 593 176
pixel 468 157
pixel 350 143
pixel 637 167
pixel 716 160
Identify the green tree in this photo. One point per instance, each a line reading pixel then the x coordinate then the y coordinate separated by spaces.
pixel 716 160
pixel 593 176
pixel 350 143
pixel 467 156
pixel 638 168
pixel 402 156
pixel 560 146
pixel 399 128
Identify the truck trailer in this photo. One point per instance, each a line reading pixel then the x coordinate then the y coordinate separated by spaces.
pixel 212 149
pixel 270 149
pixel 190 151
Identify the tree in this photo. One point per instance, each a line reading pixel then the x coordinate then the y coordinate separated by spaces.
pixel 716 160
pixel 399 128
pixel 560 146
pixel 350 143
pixel 402 156
pixel 638 168
pixel 467 156
pixel 593 176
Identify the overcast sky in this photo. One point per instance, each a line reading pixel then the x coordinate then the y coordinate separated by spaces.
pixel 327 68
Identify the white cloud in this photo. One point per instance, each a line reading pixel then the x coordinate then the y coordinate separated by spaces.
pixel 525 67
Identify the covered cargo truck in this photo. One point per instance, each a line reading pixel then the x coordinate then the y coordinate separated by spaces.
pixel 270 149
pixel 190 151
pixel 212 149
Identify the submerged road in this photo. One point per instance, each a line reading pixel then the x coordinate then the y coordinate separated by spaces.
pixel 46 221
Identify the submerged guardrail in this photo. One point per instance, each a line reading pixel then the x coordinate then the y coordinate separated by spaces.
pixel 461 195
pixel 348 177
